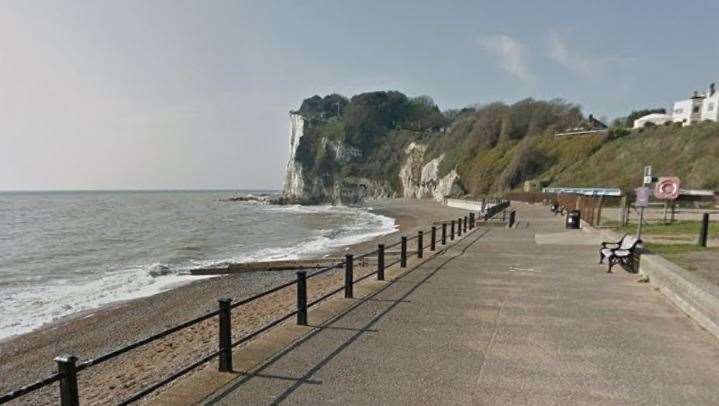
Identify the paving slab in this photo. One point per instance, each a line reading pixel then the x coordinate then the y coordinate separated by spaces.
pixel 498 319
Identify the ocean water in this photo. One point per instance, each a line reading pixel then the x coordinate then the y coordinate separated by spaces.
pixel 66 252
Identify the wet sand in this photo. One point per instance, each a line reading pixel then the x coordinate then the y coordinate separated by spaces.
pixel 29 357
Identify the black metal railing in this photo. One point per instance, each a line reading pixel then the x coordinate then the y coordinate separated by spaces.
pixel 68 367
pixel 493 210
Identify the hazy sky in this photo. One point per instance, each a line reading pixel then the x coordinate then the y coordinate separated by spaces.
pixel 195 94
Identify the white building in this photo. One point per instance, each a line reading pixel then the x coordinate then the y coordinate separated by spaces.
pixel 654 118
pixel 698 108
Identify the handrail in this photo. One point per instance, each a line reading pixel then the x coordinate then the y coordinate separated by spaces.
pixel 112 354
pixel 30 388
pixel 263 294
pixel 24 390
pixel 327 269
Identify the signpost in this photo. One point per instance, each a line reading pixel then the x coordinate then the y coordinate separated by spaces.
pixel 643 197
pixel 641 202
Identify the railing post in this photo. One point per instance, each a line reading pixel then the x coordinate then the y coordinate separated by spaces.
pixel 349 277
pixel 451 234
pixel 225 335
pixel 302 298
pixel 68 382
pixel 465 224
pixel 403 253
pixel 380 262
pixel 459 226
pixel 704 230
pixel 420 244
pixel 471 220
pixel 444 233
pixel 433 239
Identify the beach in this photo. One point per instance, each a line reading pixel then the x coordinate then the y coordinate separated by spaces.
pixel 29 357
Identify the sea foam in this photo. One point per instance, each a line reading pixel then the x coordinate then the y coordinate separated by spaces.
pixel 27 303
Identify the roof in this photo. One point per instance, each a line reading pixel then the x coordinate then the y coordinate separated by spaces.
pixel 654 115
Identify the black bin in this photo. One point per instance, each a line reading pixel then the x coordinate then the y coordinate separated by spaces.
pixel 573 218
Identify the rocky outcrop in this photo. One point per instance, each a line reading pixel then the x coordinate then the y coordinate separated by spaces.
pixel 421 180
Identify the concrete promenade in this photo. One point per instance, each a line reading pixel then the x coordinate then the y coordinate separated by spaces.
pixel 520 316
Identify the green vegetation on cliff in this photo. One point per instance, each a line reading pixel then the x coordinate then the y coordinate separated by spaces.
pixel 494 147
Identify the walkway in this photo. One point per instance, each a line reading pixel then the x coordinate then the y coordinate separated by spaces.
pixel 499 319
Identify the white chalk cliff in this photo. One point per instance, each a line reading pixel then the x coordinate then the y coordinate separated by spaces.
pixel 294 183
pixel 418 180
pixel 423 181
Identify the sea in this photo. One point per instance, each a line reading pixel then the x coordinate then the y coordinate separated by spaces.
pixel 68 252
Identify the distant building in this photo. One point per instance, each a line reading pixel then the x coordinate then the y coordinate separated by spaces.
pixel 589 126
pixel 587 191
pixel 698 108
pixel 534 185
pixel 654 118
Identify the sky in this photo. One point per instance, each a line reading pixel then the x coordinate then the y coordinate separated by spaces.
pixel 195 94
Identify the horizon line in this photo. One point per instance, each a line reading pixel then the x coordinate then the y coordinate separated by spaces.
pixel 138 190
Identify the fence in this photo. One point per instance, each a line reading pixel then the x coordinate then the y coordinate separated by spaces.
pixel 68 367
pixel 589 206
pixel 498 207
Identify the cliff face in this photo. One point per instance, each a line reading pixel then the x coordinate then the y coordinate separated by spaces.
pixel 334 181
pixel 326 186
pixel 421 180
pixel 384 144
pixel 294 187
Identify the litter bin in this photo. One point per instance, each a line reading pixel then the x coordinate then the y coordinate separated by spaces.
pixel 573 219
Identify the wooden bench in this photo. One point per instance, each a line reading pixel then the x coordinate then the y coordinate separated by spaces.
pixel 624 251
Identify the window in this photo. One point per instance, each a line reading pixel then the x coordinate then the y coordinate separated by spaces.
pixel 678 111
pixel 710 106
pixel 695 109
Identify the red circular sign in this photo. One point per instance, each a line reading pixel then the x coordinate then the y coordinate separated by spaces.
pixel 667 188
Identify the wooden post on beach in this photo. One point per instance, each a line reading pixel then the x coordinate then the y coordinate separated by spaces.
pixel 471 220
pixel 704 230
pixel 673 211
pixel 451 234
pixel 302 298
pixel 225 335
pixel 623 211
pixel 444 233
pixel 465 223
pixel 380 262
pixel 433 239
pixel 349 277
pixel 511 220
pixel 420 244
pixel 68 383
pixel 403 252
pixel 459 226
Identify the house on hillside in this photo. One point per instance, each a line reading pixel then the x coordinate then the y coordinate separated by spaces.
pixel 698 108
pixel 654 118
pixel 589 126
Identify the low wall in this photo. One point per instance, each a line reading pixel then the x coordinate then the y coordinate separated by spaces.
pixel 471 205
pixel 698 298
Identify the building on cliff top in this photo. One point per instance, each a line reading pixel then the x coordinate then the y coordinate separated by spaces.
pixel 589 126
pixel 699 107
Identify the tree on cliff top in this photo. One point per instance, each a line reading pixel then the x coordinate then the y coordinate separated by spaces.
pixel 317 107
